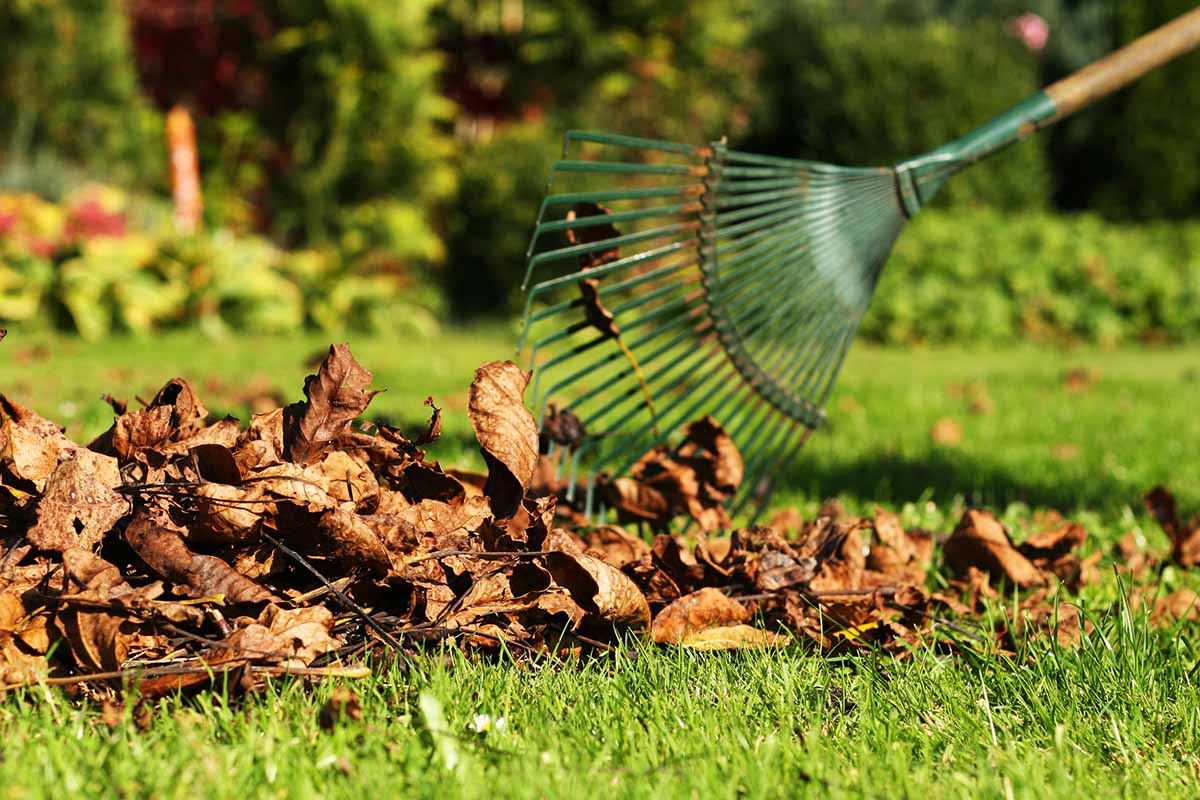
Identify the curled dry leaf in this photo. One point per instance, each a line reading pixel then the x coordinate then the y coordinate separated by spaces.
pixel 165 552
pixel 336 396
pixel 981 541
pixel 434 431
pixel 291 637
pixel 506 432
pixel 30 446
pixel 561 427
pixel 98 639
pixel 174 414
pixel 350 540
pixel 594 310
pixel 600 589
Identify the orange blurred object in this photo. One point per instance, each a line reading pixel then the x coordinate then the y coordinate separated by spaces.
pixel 185 170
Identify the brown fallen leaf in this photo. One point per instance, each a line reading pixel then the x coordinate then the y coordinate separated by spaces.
pixel 981 541
pixel 591 229
pixel 165 552
pixel 594 310
pixel 506 431
pixel 1185 539
pixel 561 427
pixel 291 637
pixel 615 545
pixel 98 639
pixel 336 396
pixel 734 637
pixel 600 589
pixel 174 414
pixel 947 431
pixel 30 446
pixel 342 706
pixel 702 609
pixel 1181 604
pixel 712 453
pixel 434 431
pixel 80 503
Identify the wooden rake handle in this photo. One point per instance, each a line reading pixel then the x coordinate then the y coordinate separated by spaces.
pixel 1102 78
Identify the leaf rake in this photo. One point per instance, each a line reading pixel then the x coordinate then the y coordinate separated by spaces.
pixel 676 281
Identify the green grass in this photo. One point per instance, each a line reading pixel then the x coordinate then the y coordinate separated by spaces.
pixel 1118 716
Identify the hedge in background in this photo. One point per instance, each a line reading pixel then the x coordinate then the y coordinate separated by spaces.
pixel 985 276
pixel 864 94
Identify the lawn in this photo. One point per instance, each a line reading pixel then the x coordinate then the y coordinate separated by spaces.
pixel 1083 431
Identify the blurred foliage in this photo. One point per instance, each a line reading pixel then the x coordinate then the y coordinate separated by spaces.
pixel 670 69
pixel 878 92
pixel 327 112
pixel 988 276
pixel 81 264
pixel 407 144
pixel 69 93
pixel 490 220
pixel 1134 155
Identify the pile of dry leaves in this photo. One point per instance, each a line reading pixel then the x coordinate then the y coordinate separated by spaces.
pixel 176 548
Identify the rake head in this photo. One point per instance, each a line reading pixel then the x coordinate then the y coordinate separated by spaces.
pixel 673 282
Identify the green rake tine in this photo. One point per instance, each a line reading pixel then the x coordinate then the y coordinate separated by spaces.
pixel 666 378
pixel 606 291
pixel 624 372
pixel 687 190
pixel 616 310
pixel 758 467
pixel 607 357
pixel 671 424
pixel 797 164
pixel 632 142
pixel 651 380
pixel 618 241
pixel 621 265
pixel 625 168
pixel 596 220
pixel 684 413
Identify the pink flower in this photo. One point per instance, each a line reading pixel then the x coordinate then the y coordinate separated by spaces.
pixel 1031 29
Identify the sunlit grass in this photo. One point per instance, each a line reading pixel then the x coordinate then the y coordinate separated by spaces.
pixel 1119 715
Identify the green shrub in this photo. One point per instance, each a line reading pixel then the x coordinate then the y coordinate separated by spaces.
pixel 879 92
pixel 489 222
pixel 69 92
pixel 983 276
pixel 82 266
pixel 671 69
pixel 1134 156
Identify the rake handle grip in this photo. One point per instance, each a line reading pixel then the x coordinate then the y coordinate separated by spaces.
pixel 1102 78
